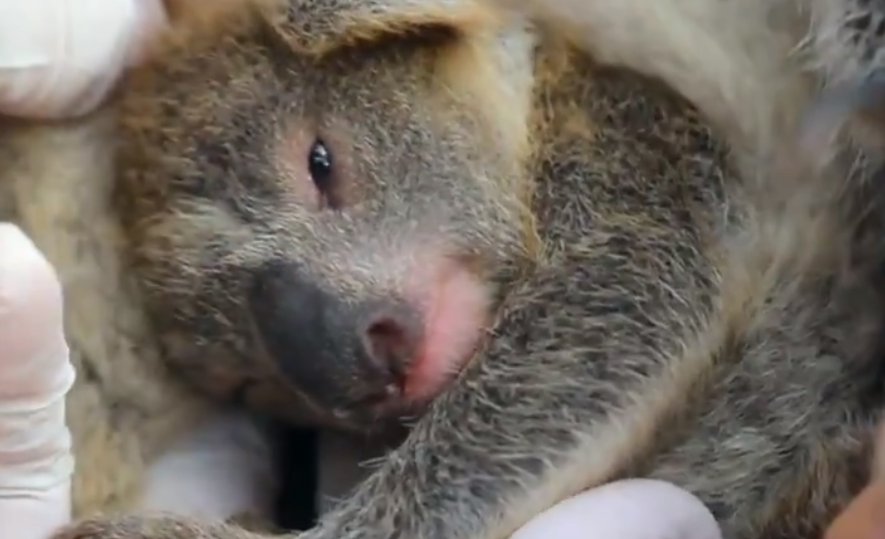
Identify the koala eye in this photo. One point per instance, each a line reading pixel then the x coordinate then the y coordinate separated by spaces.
pixel 319 164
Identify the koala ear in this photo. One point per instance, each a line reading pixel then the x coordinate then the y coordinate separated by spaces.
pixel 318 26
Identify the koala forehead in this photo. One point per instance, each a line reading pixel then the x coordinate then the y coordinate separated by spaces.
pixel 213 112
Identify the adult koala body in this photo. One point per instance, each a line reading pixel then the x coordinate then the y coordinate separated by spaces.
pixel 391 190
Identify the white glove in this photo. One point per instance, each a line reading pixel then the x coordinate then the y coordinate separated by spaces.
pixel 60 58
pixel 35 375
pixel 630 509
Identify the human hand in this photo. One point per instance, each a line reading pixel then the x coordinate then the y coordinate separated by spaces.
pixel 60 58
pixel 35 375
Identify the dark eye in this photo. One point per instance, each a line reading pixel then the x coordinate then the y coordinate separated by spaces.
pixel 319 164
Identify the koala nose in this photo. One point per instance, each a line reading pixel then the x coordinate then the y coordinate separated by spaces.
pixel 328 345
pixel 391 338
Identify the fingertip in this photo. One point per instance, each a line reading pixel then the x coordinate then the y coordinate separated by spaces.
pixel 60 58
pixel 629 509
pixel 30 296
pixel 672 506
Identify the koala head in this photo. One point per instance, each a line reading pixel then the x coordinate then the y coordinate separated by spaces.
pixel 320 196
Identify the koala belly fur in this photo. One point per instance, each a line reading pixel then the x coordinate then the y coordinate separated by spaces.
pixel 619 166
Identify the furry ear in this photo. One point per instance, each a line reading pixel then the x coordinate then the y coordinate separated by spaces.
pixel 319 26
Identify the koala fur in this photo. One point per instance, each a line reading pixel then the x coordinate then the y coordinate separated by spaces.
pixel 617 299
pixel 847 38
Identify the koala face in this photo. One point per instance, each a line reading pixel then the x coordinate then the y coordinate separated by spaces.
pixel 317 234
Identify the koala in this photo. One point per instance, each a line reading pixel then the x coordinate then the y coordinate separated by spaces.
pixel 350 213
pixel 144 438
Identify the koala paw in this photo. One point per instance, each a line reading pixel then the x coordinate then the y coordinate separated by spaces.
pixel 150 527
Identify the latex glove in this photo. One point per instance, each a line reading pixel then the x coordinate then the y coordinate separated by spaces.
pixel 630 509
pixel 35 375
pixel 60 58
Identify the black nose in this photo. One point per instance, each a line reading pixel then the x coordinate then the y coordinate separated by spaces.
pixel 336 348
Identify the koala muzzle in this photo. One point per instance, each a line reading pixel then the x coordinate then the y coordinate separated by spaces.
pixel 343 352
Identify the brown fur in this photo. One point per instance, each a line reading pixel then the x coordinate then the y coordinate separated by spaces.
pixel 656 314
pixel 124 406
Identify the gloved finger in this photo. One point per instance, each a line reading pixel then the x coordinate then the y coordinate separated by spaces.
pixel 630 509
pixel 35 375
pixel 59 58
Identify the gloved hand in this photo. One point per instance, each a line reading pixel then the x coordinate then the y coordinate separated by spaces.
pixel 60 58
pixel 629 509
pixel 35 375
